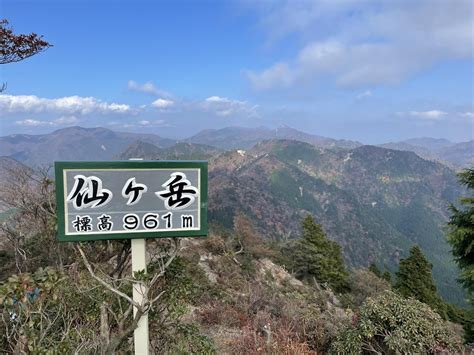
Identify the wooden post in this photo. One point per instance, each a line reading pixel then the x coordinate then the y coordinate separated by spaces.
pixel 140 335
pixel 141 339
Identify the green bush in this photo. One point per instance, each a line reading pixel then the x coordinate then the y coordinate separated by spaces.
pixel 365 284
pixel 390 323
pixel 41 311
pixel 49 309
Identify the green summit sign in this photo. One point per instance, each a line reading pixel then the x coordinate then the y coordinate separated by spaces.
pixel 131 199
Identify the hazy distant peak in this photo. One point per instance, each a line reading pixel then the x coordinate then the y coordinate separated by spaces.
pixel 429 143
pixel 245 138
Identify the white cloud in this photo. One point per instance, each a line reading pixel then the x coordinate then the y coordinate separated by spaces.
pixel 216 99
pixel 225 107
pixel 380 43
pixel 429 115
pixel 162 103
pixel 147 88
pixel 141 123
pixel 159 123
pixel 33 123
pixel 364 94
pixel 212 105
pixel 467 114
pixel 70 105
pixel 65 120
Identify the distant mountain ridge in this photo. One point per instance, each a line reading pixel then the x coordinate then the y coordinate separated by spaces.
pixel 187 151
pixel 77 143
pixel 455 155
pixel 429 143
pixel 245 138
pixel 73 143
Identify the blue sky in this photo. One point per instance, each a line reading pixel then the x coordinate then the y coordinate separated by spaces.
pixel 374 71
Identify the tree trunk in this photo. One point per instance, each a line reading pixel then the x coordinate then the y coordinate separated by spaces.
pixel 104 329
pixel 117 339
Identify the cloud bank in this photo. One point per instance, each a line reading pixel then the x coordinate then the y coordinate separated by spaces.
pixel 72 105
pixel 360 43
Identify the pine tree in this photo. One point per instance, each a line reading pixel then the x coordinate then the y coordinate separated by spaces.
pixel 414 279
pixel 461 238
pixel 461 234
pixel 315 256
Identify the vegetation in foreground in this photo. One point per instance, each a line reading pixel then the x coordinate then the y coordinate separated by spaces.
pixel 232 292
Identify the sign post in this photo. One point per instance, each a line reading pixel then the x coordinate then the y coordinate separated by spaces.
pixel 140 335
pixel 141 339
pixel 131 200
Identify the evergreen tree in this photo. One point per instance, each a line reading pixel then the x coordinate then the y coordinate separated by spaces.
pixel 414 279
pixel 461 238
pixel 461 234
pixel 315 256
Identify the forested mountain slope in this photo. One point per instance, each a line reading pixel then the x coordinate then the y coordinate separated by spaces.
pixel 375 202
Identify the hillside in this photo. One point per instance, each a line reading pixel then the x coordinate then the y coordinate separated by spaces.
pixel 8 168
pixel 9 165
pixel 178 151
pixel 375 202
pixel 225 294
pixel 235 291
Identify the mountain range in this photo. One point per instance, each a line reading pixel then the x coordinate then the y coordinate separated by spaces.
pixel 244 138
pixel 376 202
pixel 72 143
pixel 77 143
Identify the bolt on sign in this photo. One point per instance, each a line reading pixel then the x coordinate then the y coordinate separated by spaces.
pixel 131 199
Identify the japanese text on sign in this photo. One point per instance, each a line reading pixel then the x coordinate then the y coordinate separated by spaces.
pixel 120 201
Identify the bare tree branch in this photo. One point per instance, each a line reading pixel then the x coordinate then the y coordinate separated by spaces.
pixel 104 283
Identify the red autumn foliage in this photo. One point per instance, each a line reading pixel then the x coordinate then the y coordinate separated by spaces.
pixel 14 48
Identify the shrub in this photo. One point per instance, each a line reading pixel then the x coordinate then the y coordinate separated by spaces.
pixel 41 311
pixel 390 323
pixel 215 245
pixel 365 284
pixel 251 243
